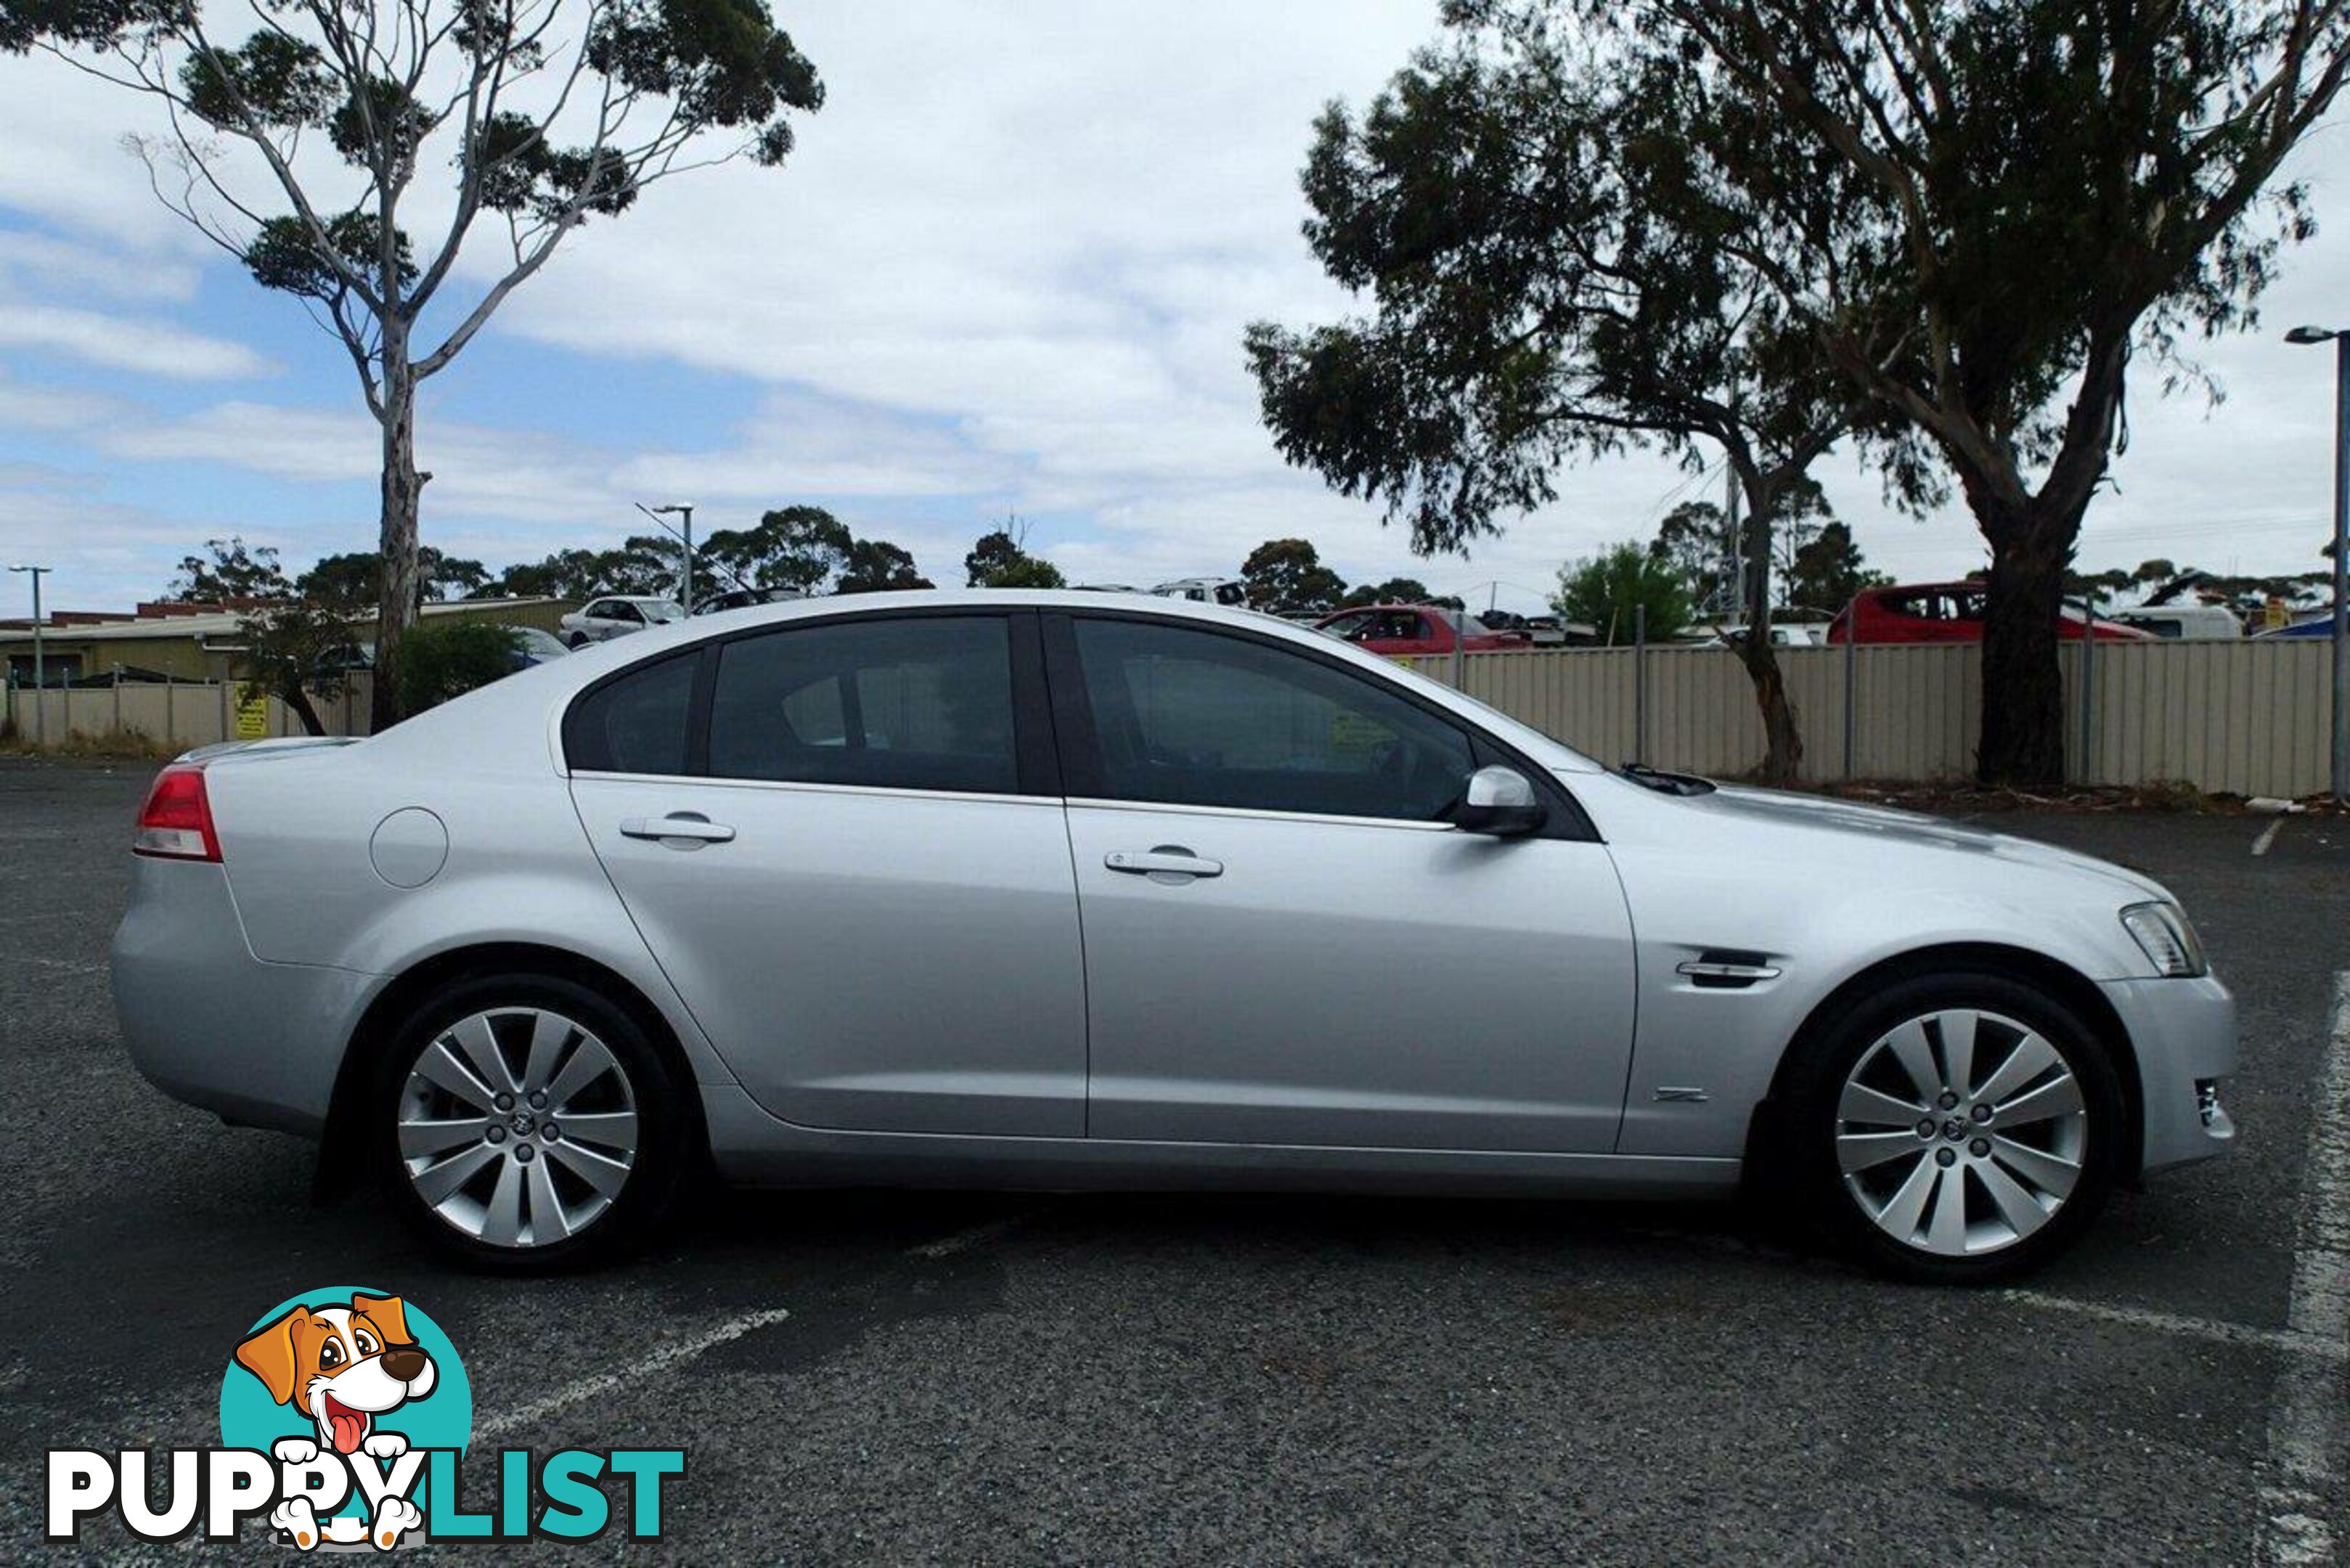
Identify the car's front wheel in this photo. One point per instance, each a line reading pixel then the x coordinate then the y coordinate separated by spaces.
pixel 524 1122
pixel 1956 1128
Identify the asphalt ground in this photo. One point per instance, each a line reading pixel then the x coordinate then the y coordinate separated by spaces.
pixel 1003 1377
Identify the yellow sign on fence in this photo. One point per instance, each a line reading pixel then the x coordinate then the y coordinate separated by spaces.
pixel 253 719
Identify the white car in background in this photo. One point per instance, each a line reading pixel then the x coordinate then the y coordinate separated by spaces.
pixel 616 614
pixel 2183 623
pixel 1230 592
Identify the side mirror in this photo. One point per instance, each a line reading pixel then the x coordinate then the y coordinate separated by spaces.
pixel 1500 802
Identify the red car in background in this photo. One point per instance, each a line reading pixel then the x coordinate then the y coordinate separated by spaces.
pixel 1416 630
pixel 1949 612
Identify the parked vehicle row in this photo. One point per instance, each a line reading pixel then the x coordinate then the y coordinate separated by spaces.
pixel 1950 612
pixel 743 599
pixel 1390 630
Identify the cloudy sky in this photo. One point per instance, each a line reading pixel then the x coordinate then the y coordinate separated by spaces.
pixel 1007 270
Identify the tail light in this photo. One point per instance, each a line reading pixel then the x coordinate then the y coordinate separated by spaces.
pixel 176 823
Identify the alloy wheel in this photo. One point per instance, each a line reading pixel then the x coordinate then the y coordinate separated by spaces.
pixel 1961 1132
pixel 518 1126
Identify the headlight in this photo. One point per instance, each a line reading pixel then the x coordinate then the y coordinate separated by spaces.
pixel 2170 942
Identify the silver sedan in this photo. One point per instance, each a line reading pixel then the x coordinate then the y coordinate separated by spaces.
pixel 1052 891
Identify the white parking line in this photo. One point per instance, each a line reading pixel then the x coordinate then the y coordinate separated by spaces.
pixel 2267 837
pixel 2218 1331
pixel 673 1354
pixel 2309 1414
pixel 678 1352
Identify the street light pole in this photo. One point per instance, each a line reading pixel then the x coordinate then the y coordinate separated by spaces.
pixel 2340 547
pixel 40 678
pixel 674 509
pixel 2341 570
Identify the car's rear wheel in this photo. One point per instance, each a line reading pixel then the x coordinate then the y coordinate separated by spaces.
pixel 577 640
pixel 524 1122
pixel 1956 1128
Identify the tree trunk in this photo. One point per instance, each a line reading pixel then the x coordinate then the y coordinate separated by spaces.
pixel 1782 757
pixel 298 698
pixel 2022 685
pixel 402 487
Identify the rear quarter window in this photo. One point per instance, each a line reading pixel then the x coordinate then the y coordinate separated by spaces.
pixel 637 722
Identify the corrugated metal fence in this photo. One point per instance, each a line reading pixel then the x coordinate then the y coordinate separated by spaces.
pixel 2245 718
pixel 173 715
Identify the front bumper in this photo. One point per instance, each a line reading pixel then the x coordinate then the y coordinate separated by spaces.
pixel 2184 1032
pixel 208 1024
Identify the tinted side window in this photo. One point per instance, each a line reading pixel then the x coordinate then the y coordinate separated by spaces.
pixel 923 702
pixel 636 723
pixel 1192 718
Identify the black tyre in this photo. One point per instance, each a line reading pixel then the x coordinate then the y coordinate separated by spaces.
pixel 1954 1128
pixel 525 1123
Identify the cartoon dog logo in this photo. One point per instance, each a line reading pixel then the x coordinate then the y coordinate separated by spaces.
pixel 343 1368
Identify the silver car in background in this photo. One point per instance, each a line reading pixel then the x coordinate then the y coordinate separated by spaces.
pixel 1067 890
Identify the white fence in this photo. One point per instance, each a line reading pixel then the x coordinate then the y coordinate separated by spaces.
pixel 2243 718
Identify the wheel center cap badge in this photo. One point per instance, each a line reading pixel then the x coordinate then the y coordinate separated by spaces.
pixel 522 1124
pixel 1953 1129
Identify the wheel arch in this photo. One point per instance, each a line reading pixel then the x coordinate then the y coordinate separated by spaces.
pixel 340 1147
pixel 2060 980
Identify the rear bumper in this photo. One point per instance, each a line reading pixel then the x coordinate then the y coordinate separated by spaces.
pixel 208 1024
pixel 2185 1034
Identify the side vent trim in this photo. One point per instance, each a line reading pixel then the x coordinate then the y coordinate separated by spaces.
pixel 1722 969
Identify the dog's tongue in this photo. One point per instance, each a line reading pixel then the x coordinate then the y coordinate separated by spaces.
pixel 350 1425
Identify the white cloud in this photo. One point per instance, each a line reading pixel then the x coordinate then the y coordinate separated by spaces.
pixel 476 471
pixel 24 405
pixel 141 345
pixel 60 264
pixel 796 445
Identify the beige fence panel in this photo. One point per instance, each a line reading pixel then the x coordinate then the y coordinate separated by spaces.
pixel 2246 718
pixel 1919 710
pixel 174 715
pixel 2243 718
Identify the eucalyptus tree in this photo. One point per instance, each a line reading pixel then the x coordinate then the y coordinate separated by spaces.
pixel 2046 191
pixel 1001 560
pixel 1286 576
pixel 318 140
pixel 797 546
pixel 1549 284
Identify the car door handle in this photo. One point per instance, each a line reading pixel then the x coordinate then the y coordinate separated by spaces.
pixel 689 825
pixel 1166 860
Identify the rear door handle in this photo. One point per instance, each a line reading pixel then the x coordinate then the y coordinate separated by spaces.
pixel 687 824
pixel 1168 860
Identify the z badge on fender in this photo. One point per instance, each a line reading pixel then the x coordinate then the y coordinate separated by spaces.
pixel 344 1416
